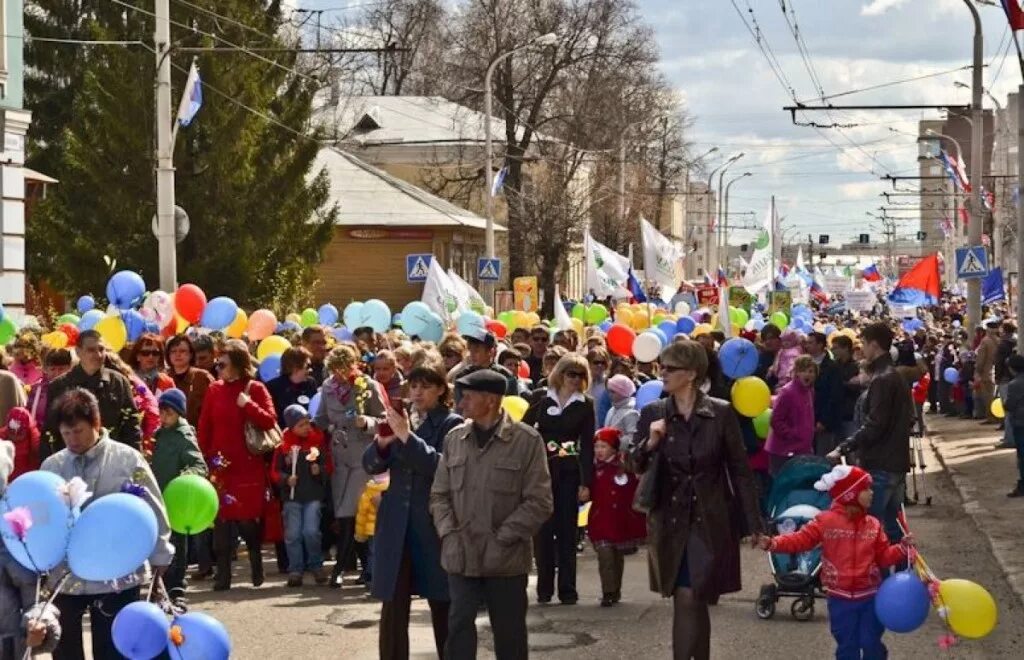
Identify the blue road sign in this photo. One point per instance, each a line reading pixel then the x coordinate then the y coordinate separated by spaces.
pixel 488 270
pixel 417 267
pixel 971 262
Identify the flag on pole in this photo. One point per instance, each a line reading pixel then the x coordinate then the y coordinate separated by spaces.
pixel 440 293
pixel 759 270
pixel 992 287
pixel 951 169
pixel 1014 14
pixel 723 280
pixel 467 296
pixel 562 318
pixel 961 172
pixel 663 258
pixel 499 181
pixel 800 258
pixel 607 271
pixel 921 285
pixel 636 292
pixel 871 274
pixel 191 97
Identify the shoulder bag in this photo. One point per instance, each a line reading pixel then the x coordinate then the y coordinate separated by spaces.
pixel 646 496
pixel 261 441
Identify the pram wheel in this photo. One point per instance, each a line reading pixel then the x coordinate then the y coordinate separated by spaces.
pixel 764 606
pixel 803 608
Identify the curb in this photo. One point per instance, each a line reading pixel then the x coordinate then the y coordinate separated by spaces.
pixel 972 507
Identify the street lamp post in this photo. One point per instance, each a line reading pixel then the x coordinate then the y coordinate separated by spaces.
pixel 725 217
pixel 721 176
pixel 711 216
pixel 975 208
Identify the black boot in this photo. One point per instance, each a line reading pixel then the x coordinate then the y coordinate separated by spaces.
pixel 607 600
pixel 335 582
pixel 1018 491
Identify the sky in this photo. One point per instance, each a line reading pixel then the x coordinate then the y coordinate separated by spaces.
pixel 824 181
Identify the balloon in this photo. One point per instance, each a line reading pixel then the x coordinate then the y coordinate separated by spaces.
pixel 739 358
pixel 314 404
pixel 685 325
pixel 640 321
pixel 972 612
pixel 579 311
pixel 112 538
pixel 523 370
pixel 624 316
pixel 509 319
pixel 750 396
pixel 189 303
pixel 237 327
pixel 353 314
pixel 85 303
pixel 779 320
pixel 113 332
pixel 605 325
pixel 140 631
pixel 595 314
pixel 73 319
pixel 902 602
pixel 270 366
pixel 646 347
pixel 669 328
pixel 55 339
pixel 648 392
pixel 763 424
pixel 71 332
pixel 829 329
pixel 373 314
pixel 125 288
pixel 415 318
pixel 293 318
pixel 515 406
pixel 701 329
pixel 434 330
pixel 90 319
pixel 738 316
pixel 471 323
pixel 261 324
pixel 192 503
pixel 219 313
pixel 997 409
pixel 134 324
pixel 273 345
pixel 620 340
pixel 343 334
pixel 309 317
pixel 47 539
pixel 202 636
pixel 951 375
pixel 327 314
pixel 497 328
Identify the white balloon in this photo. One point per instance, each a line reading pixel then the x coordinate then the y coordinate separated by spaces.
pixel 646 347
pixel 683 308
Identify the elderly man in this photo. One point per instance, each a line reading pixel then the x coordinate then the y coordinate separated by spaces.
pixel 491 494
pixel 984 373
pixel 314 340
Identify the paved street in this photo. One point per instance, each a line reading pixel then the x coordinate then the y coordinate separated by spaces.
pixel 276 622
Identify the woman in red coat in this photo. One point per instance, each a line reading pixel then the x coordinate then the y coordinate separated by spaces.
pixel 240 477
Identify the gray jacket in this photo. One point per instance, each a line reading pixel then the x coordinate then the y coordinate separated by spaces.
pixel 105 468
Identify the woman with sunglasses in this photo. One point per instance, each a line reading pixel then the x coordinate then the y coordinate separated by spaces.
pixel 565 419
pixel 187 377
pixel 147 360
pixel 704 496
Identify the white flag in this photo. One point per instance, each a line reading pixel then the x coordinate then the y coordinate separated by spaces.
pixel 191 97
pixel 439 292
pixel 724 321
pixel 607 270
pixel 800 258
pixel 663 259
pixel 562 318
pixel 759 271
pixel 468 297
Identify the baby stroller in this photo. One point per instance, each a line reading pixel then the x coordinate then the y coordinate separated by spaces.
pixel 792 503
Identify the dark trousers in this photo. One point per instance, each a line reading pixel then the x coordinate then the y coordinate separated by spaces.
pixel 505 598
pixel 889 490
pixel 394 617
pixel 348 549
pixel 555 544
pixel 856 629
pixel 102 610
pixel 203 546
pixel 224 533
pixel 174 578
pixel 1018 436
pixel 610 565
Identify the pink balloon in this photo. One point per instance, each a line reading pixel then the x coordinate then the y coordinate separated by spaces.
pixel 262 324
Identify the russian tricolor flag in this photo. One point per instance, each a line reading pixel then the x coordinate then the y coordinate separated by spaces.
pixel 920 286
pixel 871 274
pixel 191 97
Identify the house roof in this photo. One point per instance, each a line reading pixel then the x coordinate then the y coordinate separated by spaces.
pixel 366 195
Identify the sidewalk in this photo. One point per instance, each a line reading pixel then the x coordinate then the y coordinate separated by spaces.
pixel 983 475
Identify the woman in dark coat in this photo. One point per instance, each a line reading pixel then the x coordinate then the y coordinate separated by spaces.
pixel 705 498
pixel 295 385
pixel 406 550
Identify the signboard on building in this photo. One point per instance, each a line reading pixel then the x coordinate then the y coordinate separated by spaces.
pixel 860 301
pixel 707 294
pixel 525 290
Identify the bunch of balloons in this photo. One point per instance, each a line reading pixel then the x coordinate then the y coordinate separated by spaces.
pixel 141 631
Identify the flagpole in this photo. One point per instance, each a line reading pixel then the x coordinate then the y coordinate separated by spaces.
pixel 167 247
pixel 1020 189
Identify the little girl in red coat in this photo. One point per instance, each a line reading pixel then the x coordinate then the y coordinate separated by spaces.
pixel 614 527
pixel 22 431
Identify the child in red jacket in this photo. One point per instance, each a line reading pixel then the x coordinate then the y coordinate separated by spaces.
pixel 854 550
pixel 614 527
pixel 22 431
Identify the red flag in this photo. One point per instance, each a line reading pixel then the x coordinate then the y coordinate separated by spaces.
pixel 1014 13
pixel 924 277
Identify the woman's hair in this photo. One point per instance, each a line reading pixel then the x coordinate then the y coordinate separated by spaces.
pixel 597 353
pixel 686 354
pixel 805 363
pixel 142 342
pixel 432 375
pixel 58 357
pixel 112 360
pixel 452 344
pixel 622 365
pixel 237 354
pixel 173 343
pixel 28 341
pixel 553 355
pixel 567 362
pixel 294 358
pixel 77 405
pixel 425 355
pixel 342 357
pixel 386 356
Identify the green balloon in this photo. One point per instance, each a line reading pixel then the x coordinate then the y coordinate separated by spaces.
pixel 309 317
pixel 741 317
pixel 508 318
pixel 594 314
pixel 762 423
pixel 7 331
pixel 192 504
pixel 579 311
pixel 780 320
pixel 73 319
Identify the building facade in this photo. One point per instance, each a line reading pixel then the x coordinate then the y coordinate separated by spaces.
pixel 15 121
pixel 698 219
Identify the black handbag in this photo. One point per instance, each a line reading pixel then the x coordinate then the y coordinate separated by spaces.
pixel 646 495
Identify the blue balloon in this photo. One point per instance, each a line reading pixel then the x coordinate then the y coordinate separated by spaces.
pixel 375 314
pixel 89 320
pixel 739 357
pixel 291 326
pixel 660 335
pixel 669 328
pixel 203 637
pixel 327 314
pixel 270 368
pixel 140 631
pixel 648 392
pixel 314 405
pixel 605 325
pixel 685 325
pixel 47 539
pixel 415 318
pixel 902 603
pixel 908 325
pixel 152 327
pixel 434 330
pixel 829 329
pixel 85 303
pixel 353 315
pixel 343 334
pixel 125 288
pixel 219 313
pixel 471 323
pixel 133 323
pixel 113 537
pixel 951 375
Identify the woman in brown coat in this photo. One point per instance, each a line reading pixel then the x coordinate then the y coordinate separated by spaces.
pixel 704 496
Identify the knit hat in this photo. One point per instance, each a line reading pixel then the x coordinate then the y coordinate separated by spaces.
pixel 608 435
pixel 294 414
pixel 173 399
pixel 621 385
pixel 844 483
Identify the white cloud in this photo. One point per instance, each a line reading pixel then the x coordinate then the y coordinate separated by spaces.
pixel 879 7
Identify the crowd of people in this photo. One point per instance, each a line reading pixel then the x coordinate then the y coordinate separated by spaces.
pixel 402 462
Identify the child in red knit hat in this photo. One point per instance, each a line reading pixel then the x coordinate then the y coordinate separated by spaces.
pixel 854 550
pixel 614 527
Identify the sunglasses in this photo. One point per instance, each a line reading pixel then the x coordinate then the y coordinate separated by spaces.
pixel 152 352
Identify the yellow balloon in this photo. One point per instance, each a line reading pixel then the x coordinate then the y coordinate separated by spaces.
pixel 624 316
pixel 113 332
pixel 294 318
pixel 641 321
pixel 750 396
pixel 55 339
pixel 701 329
pixel 577 325
pixel 238 326
pixel 182 324
pixel 971 610
pixel 997 409
pixel 515 406
pixel 272 345
pixel 532 318
pixel 583 516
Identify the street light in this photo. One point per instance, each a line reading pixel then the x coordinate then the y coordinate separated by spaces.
pixel 950 275
pixel 549 39
pixel 975 208
pixel 721 176
pixel 725 216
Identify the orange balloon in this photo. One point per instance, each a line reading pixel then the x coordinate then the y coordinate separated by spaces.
pixel 262 324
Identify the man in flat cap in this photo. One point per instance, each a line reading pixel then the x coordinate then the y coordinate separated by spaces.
pixel 491 494
pixel 482 347
pixel 984 373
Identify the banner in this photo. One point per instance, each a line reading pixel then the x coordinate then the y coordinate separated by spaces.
pixel 780 301
pixel 562 318
pixel 440 293
pixel 838 283
pixel 902 311
pixel 607 270
pixel 740 298
pixel 759 270
pixel 663 259
pixel 468 297
pixel 707 294
pixel 525 289
pixel 860 300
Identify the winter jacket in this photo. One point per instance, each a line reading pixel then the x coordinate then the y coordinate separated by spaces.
pixel 366 512
pixel 986 360
pixel 285 393
pixel 28 373
pixel 22 432
pixel 792 425
pixel 854 549
pixel 118 413
pixel 1014 404
pixel 612 519
pixel 194 384
pixel 176 452
pixel 568 434
pixel 309 487
pixel 624 418
pixel 782 368
pixel 829 394
pixel 1007 347
pixel 883 440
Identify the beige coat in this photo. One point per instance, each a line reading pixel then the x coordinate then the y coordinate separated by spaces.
pixel 488 503
pixel 985 362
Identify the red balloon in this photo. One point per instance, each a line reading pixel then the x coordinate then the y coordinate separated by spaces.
pixel 189 302
pixel 498 328
pixel 620 340
pixel 71 331
pixel 524 369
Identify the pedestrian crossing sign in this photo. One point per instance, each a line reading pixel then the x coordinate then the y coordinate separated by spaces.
pixel 417 267
pixel 488 270
pixel 971 262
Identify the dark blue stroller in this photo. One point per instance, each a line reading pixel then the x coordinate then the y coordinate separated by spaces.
pixel 792 503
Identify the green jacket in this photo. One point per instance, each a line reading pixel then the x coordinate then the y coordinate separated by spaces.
pixel 176 452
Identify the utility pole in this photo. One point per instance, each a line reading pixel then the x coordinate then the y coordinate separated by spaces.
pixel 167 246
pixel 976 208
pixel 1020 187
pixel 810 250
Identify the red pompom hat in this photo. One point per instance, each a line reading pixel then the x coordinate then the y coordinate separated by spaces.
pixel 844 483
pixel 608 435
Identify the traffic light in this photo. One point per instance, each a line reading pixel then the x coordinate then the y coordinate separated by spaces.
pixel 921 235
pixel 823 239
pixel 864 239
